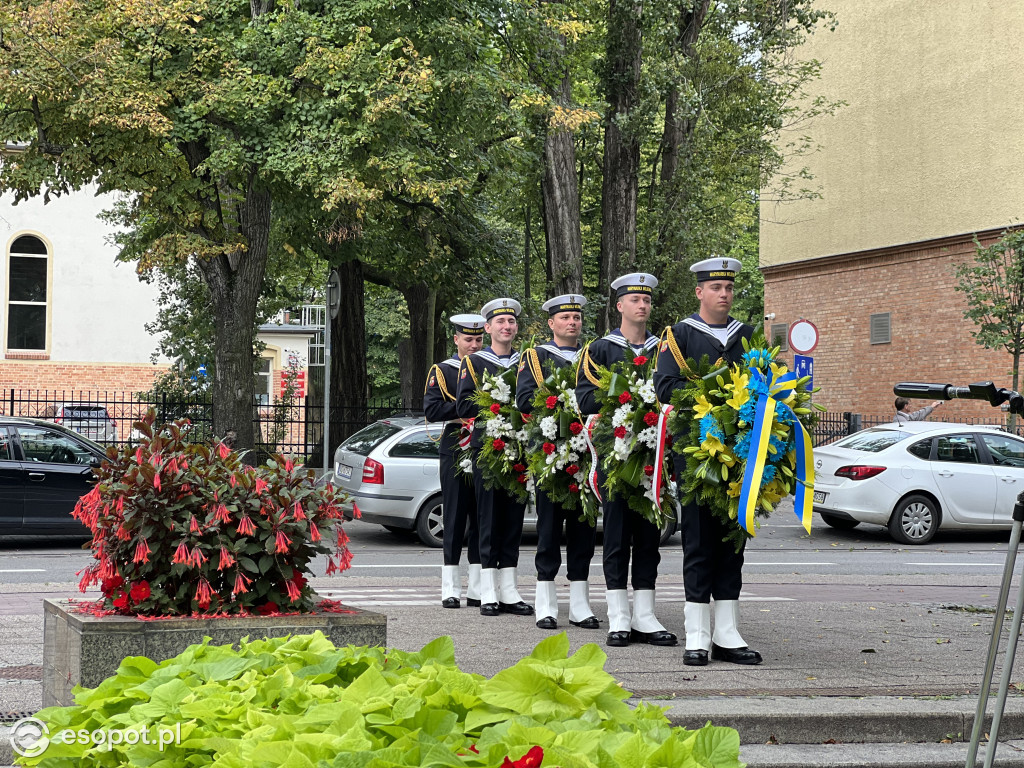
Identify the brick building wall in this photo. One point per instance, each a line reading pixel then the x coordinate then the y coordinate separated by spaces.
pixel 931 341
pixel 87 377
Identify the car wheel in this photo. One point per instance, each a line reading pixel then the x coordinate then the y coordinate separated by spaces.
pixel 915 520
pixel 668 530
pixel 840 523
pixel 430 524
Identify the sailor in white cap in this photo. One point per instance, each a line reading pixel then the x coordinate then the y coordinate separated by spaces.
pixel 499 515
pixel 566 324
pixel 458 499
pixel 711 567
pixel 626 532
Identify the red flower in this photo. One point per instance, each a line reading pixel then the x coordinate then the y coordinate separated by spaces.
pixel 138 455
pixel 498 445
pixel 549 448
pixel 669 440
pixel 141 552
pixel 282 542
pixel 222 514
pixel 223 450
pixel 521 479
pixel 293 591
pixel 551 402
pixel 193 525
pixel 203 594
pixel 649 470
pixel 241 583
pixel 198 558
pixel 140 591
pixel 639 360
pixel 526 416
pixel 519 467
pixel 121 601
pixel 297 512
pixel 109 586
pixel 289 465
pixel 245 526
pixel 575 427
pixel 495 408
pixel 226 559
pixel 572 469
pixel 261 485
pixel 625 397
pixel 267 608
pixel 181 554
pixel 156 480
pixel 650 419
pixel 620 431
pixel 531 759
pixel 314 532
pixel 574 488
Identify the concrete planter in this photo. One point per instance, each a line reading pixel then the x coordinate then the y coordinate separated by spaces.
pixel 81 649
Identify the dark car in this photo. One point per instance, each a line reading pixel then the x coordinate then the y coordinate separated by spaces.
pixel 44 469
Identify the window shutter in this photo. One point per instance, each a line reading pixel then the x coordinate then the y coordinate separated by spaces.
pixel 881 328
pixel 779 334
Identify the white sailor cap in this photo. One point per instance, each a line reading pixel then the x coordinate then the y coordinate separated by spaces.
pixel 635 282
pixel 716 269
pixel 569 302
pixel 501 307
pixel 468 325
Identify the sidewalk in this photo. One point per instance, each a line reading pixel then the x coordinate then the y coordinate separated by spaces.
pixel 841 684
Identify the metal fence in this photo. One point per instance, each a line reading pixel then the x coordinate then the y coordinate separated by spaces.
pixel 833 425
pixel 295 429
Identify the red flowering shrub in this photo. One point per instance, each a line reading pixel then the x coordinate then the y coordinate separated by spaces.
pixel 182 528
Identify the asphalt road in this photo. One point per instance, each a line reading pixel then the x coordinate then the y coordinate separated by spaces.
pixel 782 563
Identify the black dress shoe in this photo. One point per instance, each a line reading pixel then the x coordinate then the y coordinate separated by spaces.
pixel 661 637
pixel 618 639
pixel 519 609
pixel 472 602
pixel 547 623
pixel 742 655
pixel 489 609
pixel 590 622
pixel 450 602
pixel 697 658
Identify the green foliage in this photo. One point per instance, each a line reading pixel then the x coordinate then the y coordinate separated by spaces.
pixel 300 701
pixel 503 455
pixel 180 529
pixel 993 287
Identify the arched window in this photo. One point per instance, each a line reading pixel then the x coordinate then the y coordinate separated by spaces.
pixel 27 279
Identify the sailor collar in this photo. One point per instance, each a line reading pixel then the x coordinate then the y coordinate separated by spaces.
pixel 489 356
pixel 569 355
pixel 616 337
pixel 453 361
pixel 732 328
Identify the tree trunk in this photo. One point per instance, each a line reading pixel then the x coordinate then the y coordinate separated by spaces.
pixel 621 147
pixel 675 139
pixel 349 380
pixel 415 360
pixel 562 205
pixel 235 280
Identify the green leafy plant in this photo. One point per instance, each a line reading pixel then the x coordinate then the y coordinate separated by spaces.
pixel 181 529
pixel 301 701
pixel 503 455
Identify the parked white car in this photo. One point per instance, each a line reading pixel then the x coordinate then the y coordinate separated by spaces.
pixel 919 477
pixel 391 469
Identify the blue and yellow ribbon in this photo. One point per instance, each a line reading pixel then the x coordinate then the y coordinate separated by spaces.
pixel 770 396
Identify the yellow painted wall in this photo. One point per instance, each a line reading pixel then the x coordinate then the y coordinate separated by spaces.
pixel 932 140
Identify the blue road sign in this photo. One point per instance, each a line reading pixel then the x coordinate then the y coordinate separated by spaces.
pixel 803 365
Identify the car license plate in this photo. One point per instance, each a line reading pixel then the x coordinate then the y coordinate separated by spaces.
pixel 344 472
pixel 819 497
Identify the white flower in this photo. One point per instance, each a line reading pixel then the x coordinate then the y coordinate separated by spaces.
pixel 578 443
pixel 549 427
pixel 551 458
pixel 573 457
pixel 573 403
pixel 621 414
pixel 621 448
pixel 501 391
pixel 467 465
pixel 647 393
pixel 494 427
pixel 648 437
pixel 521 436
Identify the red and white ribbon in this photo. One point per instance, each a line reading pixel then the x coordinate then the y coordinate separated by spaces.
pixel 588 433
pixel 659 454
pixel 466 435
